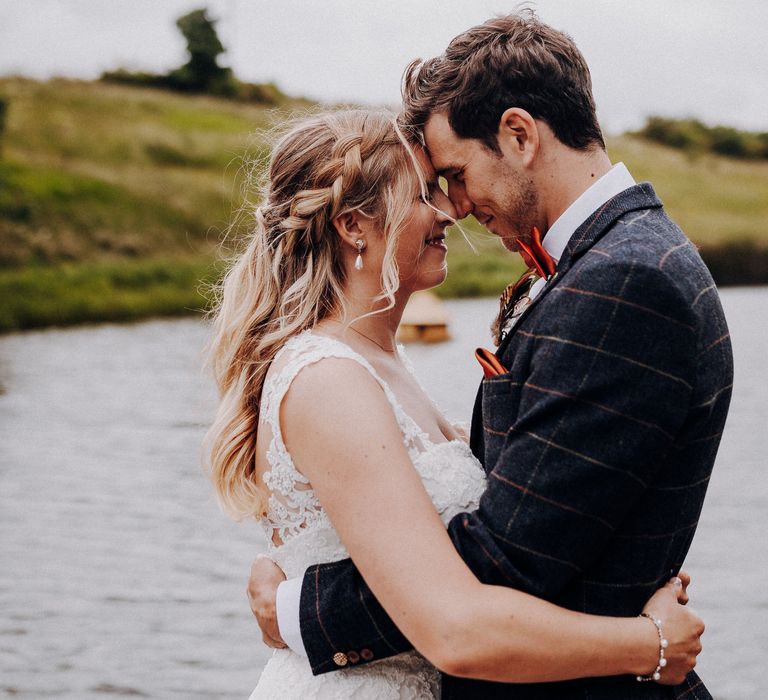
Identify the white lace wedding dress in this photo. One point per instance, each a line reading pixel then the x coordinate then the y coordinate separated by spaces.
pixel 451 475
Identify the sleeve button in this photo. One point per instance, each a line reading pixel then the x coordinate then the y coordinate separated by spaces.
pixel 340 658
pixel 366 654
pixel 353 657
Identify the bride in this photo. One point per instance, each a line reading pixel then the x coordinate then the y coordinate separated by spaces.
pixel 324 434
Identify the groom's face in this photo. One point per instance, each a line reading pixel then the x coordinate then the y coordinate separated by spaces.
pixel 491 186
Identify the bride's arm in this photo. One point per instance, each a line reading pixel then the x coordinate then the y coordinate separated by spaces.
pixel 343 436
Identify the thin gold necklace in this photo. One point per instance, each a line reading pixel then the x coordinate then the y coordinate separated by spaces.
pixel 389 352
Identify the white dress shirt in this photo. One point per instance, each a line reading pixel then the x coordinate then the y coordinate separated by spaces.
pixel 616 180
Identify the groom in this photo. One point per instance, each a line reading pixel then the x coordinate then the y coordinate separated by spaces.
pixel 600 431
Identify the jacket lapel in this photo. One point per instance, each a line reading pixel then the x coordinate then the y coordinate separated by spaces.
pixel 635 198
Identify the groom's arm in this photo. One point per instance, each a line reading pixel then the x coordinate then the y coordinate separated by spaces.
pixel 342 623
pixel 608 388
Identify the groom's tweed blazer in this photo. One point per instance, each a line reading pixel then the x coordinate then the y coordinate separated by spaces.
pixel 598 443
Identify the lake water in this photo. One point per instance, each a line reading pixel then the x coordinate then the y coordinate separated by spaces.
pixel 120 576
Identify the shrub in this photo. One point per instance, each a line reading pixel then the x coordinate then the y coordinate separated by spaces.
pixel 261 93
pixel 3 113
pixel 729 142
pixel 140 79
pixel 742 262
pixel 694 136
pixel 687 134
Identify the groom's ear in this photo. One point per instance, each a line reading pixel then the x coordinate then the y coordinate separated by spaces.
pixel 519 135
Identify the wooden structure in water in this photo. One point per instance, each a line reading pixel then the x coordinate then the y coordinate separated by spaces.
pixel 425 320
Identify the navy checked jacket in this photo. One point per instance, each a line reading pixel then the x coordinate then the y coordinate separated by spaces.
pixel 598 444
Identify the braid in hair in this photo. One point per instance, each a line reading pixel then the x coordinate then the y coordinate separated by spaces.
pixel 290 274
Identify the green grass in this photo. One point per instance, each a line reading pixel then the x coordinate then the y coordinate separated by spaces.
pixel 114 200
pixel 62 295
pixel 713 199
pixel 482 271
pixel 211 121
pixel 49 216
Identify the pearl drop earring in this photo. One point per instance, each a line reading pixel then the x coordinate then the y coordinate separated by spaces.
pixel 359 259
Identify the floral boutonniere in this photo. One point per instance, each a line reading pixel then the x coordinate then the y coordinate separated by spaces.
pixel 514 299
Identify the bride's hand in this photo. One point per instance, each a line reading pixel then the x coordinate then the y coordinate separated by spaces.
pixel 681 626
pixel 265 577
pixel 462 431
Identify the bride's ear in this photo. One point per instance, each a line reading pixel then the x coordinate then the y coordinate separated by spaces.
pixel 351 227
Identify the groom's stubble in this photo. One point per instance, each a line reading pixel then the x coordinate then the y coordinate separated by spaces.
pixel 519 208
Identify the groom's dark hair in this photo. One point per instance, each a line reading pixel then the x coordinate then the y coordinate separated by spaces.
pixel 509 61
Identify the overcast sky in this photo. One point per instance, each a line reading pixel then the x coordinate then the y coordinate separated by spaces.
pixel 702 58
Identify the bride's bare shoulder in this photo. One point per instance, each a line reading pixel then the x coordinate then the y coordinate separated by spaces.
pixel 323 387
pixel 332 380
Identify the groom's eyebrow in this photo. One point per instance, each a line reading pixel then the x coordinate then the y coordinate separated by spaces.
pixel 439 168
pixel 443 169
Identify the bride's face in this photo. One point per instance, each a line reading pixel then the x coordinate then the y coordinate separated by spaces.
pixel 421 247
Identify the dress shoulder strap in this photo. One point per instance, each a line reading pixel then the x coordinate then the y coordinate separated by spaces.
pixel 293 508
pixel 308 348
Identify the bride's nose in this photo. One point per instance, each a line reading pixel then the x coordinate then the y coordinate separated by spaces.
pixel 446 212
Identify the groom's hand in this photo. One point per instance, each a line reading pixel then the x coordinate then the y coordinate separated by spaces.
pixel 266 576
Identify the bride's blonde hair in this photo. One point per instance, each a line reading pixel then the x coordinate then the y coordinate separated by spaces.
pixel 291 273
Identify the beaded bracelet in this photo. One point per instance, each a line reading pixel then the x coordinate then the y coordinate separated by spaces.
pixel 663 644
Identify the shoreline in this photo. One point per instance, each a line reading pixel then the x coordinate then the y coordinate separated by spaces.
pixel 122 291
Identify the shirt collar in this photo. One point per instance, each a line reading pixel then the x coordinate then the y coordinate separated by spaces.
pixel 616 180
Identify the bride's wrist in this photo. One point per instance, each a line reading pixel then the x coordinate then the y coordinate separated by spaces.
pixel 646 647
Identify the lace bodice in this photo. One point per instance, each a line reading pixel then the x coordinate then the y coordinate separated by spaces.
pixel 451 475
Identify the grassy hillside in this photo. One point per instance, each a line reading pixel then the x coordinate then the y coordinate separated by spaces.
pixel 94 171
pixel 114 200
pixel 714 199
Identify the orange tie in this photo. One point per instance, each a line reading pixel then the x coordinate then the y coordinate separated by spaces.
pixel 534 255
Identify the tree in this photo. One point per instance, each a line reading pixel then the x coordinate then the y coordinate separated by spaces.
pixel 202 73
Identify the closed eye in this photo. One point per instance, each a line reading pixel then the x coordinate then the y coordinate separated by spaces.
pixel 431 189
pixel 454 175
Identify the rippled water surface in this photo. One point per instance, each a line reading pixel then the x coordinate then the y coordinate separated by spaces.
pixel 119 575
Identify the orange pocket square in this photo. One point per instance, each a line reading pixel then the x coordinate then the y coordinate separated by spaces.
pixel 490 363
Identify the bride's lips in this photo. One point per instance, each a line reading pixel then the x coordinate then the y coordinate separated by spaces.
pixel 436 241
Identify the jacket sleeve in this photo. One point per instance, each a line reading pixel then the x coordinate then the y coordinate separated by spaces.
pixel 342 623
pixel 595 397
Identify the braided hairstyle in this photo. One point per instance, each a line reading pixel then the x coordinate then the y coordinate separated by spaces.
pixel 291 274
